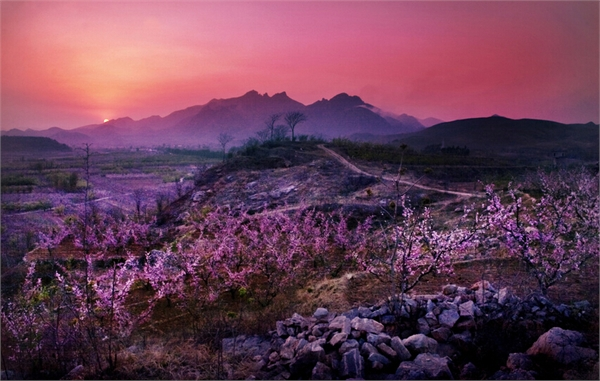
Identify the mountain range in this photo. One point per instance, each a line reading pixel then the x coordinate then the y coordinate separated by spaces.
pixel 241 117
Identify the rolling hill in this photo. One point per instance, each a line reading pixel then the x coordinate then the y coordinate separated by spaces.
pixel 505 136
pixel 19 144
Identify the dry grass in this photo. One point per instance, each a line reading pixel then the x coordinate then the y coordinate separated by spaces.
pixel 329 293
pixel 174 359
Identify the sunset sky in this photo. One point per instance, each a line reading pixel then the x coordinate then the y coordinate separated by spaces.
pixel 69 64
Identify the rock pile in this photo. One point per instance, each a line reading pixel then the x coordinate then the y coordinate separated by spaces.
pixel 428 337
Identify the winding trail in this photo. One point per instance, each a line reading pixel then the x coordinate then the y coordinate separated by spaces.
pixel 354 168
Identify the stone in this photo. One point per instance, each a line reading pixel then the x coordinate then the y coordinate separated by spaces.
pixel 504 296
pixel 483 285
pixel 430 305
pixel 467 309
pixel 274 357
pixel 299 320
pixel 77 373
pixel 425 366
pixel 341 323
pixel 366 325
pixel 436 367
pixel 517 374
pixel 449 289
pixel 316 331
pixel 562 346
pixel 348 345
pixel 383 310
pixel 483 295
pixel 387 319
pixel 465 324
pixel 386 350
pixel 448 318
pixel 367 348
pixel 469 372
pixel 288 348
pixel 462 341
pixel 400 349
pixel 519 361
pixel 375 340
pixel 321 314
pixel 408 370
pixel 281 329
pixel 431 318
pixel 321 372
pixel 378 361
pixel 420 343
pixel 353 365
pixel 364 312
pixel 411 304
pixel 441 334
pixel 338 339
pixel 423 326
pixel 305 360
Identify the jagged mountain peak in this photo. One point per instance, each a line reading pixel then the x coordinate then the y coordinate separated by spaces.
pixel 353 100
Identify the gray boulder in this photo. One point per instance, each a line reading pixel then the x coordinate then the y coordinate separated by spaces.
pixel 448 318
pixel 377 361
pixel 348 345
pixel 425 366
pixel 562 346
pixel 441 334
pixel 519 361
pixel 321 314
pixel 367 348
pixel 375 340
pixel 321 372
pixel 288 349
pixel 400 349
pixel 306 359
pixel 366 325
pixel 353 365
pixel 387 351
pixel 420 343
pixel 338 338
pixel 341 323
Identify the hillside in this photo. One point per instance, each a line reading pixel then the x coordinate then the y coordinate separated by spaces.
pixel 508 136
pixel 18 144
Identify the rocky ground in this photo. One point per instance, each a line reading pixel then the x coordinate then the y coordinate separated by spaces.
pixel 478 332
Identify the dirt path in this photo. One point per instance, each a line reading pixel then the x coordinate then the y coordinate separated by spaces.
pixel 354 168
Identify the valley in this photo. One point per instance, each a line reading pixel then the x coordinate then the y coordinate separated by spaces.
pixel 167 198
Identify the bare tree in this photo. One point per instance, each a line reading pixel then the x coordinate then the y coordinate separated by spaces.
pixel 292 118
pixel 280 133
pixel 138 198
pixel 263 135
pixel 270 123
pixel 224 139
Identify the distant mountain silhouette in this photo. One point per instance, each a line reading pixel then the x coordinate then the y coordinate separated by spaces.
pixel 428 122
pixel 242 117
pixel 500 134
pixel 19 144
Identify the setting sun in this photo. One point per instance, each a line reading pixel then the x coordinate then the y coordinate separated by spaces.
pixel 105 120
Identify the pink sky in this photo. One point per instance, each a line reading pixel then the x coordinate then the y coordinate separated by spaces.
pixel 69 64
